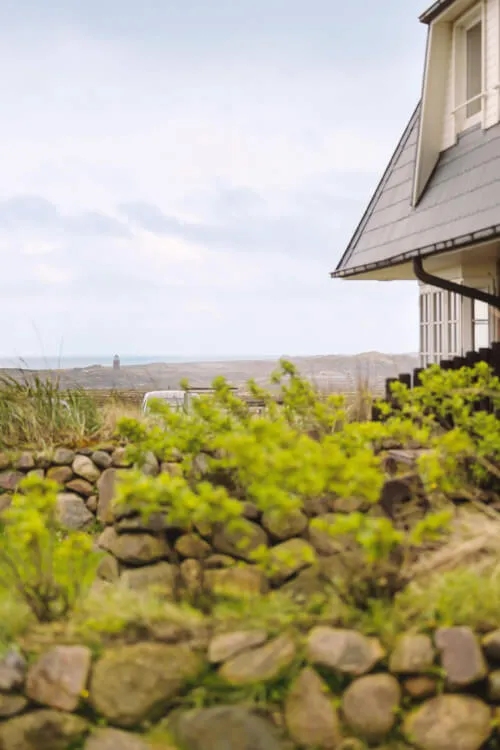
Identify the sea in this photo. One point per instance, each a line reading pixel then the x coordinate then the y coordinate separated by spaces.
pixel 58 362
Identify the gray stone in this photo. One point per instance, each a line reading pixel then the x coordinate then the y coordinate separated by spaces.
pixel 227 645
pixel 101 459
pixel 242 542
pixel 91 503
pixel 151 466
pixel 217 562
pixel 84 467
pixel 260 664
pixel 81 487
pixel 42 730
pixel 284 526
pixel 154 523
pixel 237 582
pixel 192 545
pixel 288 558
pixel 323 542
pixel 191 574
pixel 109 568
pixel 11 705
pixel 370 703
pixel 494 686
pixel 449 722
pixel 63 457
pixel 132 684
pixel 162 575
pixel 310 715
pixel 25 462
pixel 491 646
pixel 413 654
pixel 134 549
pixel 106 488
pixel 343 650
pixel 461 656
pixel 58 677
pixel 115 739
pixel 60 474
pixel 225 727
pixel 12 671
pixel 72 511
pixel 9 480
pixel 420 687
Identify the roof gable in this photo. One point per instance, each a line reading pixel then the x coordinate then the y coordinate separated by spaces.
pixel 461 201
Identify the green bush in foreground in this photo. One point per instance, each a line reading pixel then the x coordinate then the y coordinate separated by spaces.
pixel 46 568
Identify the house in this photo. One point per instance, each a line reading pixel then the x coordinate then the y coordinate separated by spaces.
pixel 435 215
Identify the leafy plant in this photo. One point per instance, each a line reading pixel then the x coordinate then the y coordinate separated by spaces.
pixel 46 567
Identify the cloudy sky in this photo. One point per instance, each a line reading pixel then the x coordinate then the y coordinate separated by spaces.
pixel 181 177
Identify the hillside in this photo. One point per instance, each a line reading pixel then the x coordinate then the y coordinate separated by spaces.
pixel 332 372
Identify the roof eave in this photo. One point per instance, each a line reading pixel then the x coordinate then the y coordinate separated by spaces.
pixel 435 10
pixel 438 248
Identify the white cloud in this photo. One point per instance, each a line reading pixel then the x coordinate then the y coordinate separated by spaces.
pixel 52 275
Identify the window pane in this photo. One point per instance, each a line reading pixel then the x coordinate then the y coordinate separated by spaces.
pixel 480 310
pixel 474 68
pixel 481 336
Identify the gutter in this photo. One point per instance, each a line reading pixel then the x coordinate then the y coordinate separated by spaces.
pixel 435 10
pixel 450 286
pixel 480 237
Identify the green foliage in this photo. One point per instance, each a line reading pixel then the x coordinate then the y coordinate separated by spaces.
pixel 34 411
pixel 45 567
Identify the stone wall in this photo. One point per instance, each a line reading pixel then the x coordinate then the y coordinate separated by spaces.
pixel 333 689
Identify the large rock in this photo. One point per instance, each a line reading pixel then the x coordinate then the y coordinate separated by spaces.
pixel 290 557
pixel 161 575
pixel 449 722
pixel 226 645
pixel 109 569
pixel 134 549
pixel 461 656
pixel 192 545
pixel 323 542
pixel 119 458
pixel 116 739
pixel 242 542
pixel 260 664
pixel 63 457
pixel 370 703
pixel 236 582
pixel 72 511
pixel 10 705
pixel 60 474
pixel 310 715
pixel 9 480
pixel 421 687
pixel 132 684
pixel 191 576
pixel 81 487
pixel 283 527
pixel 25 461
pixel 42 730
pixel 59 676
pixel 84 467
pixel 413 654
pixel 12 671
pixel 102 459
pixel 343 650
pixel 491 646
pixel 106 487
pixel 225 727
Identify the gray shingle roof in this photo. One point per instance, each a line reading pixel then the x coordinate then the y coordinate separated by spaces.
pixel 460 205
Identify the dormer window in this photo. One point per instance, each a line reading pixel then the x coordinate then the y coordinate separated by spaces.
pixel 468 46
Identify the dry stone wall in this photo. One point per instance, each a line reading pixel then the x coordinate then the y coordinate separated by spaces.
pixel 338 690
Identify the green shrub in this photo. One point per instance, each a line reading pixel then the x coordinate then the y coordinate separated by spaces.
pixel 44 566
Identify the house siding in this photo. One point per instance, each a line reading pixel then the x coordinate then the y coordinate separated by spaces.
pixel 491 75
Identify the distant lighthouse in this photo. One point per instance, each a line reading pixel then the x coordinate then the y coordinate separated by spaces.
pixel 116 362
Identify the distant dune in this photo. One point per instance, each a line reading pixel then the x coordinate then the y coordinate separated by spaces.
pixel 331 372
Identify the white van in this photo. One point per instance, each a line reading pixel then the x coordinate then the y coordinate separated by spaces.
pixel 175 399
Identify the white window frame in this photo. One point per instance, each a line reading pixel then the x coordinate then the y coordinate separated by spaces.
pixel 440 325
pixel 475 15
pixel 483 321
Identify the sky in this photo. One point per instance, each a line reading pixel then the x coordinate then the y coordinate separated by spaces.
pixel 181 177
